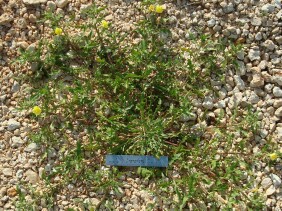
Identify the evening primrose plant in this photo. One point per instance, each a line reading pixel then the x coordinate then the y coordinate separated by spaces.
pixel 102 94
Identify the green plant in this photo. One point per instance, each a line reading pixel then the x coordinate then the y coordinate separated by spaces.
pixel 100 94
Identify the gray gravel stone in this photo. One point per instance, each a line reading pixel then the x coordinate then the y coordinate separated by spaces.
pixel 15 87
pixel 239 82
pixel 211 23
pixel 269 45
pixel 254 98
pixel 13 125
pixel 276 180
pixel 268 8
pixel 208 103
pixel 17 142
pixel 31 147
pixel 254 54
pixel 277 92
pixel 256 21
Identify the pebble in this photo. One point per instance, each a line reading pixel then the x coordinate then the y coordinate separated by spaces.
pixel 266 182
pixel 208 103
pixel 31 176
pixel 31 147
pixel 277 92
pixel 268 8
pixel 7 172
pixel 270 190
pixel 61 3
pixel 239 82
pixel 51 5
pixel 254 98
pixel 257 81
pixel 17 142
pixel 269 45
pixel 3 191
pixel 13 125
pixel 276 180
pixel 211 23
pixel 12 192
pixel 254 54
pixel 15 87
pixel 32 2
pixel 5 19
pixel 278 112
pixel 256 21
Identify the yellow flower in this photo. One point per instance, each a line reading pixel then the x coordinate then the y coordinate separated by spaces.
pixel 255 190
pixel 36 110
pixel 273 156
pixel 58 31
pixel 152 8
pixel 99 60
pixel 159 9
pixel 105 24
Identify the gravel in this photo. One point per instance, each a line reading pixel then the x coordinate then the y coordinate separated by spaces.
pixel 257 81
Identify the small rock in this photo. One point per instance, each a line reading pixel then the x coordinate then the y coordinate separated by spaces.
pixel 278 112
pixel 276 180
pixel 266 182
pixel 211 23
pixel 227 8
pixel 15 87
pixel 5 19
pixel 257 81
pixel 256 21
pixel 278 39
pixel 277 103
pixel 51 5
pixel 109 17
pixel 258 36
pixel 277 92
pixel 7 172
pixel 62 3
pixel 17 142
pixel 31 147
pixel 208 103
pixel 277 79
pixel 31 176
pixel 31 2
pixel 254 98
pixel 254 54
pixel 270 190
pixel 12 192
pixel 268 8
pixel 13 125
pixel 3 191
pixel 269 45
pixel 239 82
pixel 19 174
pixel 22 24
pixel 23 45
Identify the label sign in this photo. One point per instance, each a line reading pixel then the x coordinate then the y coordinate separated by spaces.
pixel 136 160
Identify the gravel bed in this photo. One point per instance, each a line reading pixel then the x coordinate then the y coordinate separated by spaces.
pixel 256 24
